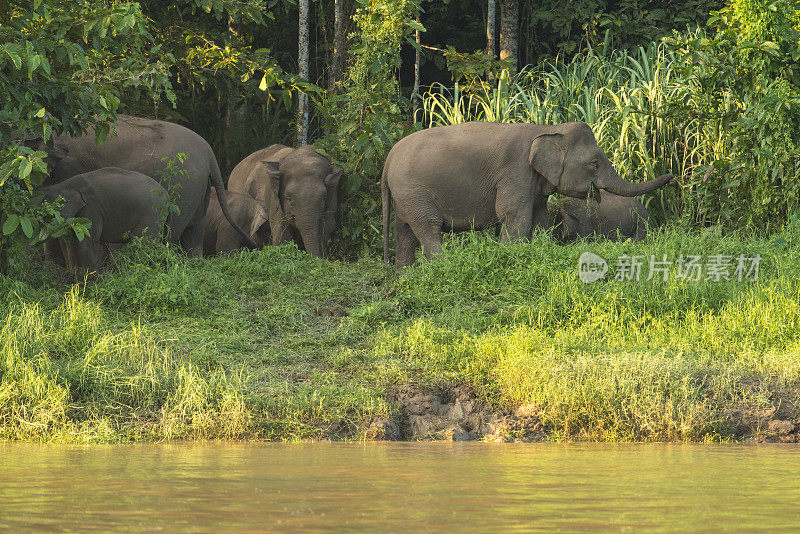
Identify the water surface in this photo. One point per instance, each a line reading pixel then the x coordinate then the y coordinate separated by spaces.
pixel 399 486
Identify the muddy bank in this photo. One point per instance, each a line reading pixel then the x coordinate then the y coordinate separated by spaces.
pixel 453 414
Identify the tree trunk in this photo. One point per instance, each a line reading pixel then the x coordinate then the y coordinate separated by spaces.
pixel 417 59
pixel 339 44
pixel 225 153
pixel 491 28
pixel 509 31
pixel 302 60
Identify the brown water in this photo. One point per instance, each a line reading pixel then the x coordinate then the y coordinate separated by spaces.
pixel 399 486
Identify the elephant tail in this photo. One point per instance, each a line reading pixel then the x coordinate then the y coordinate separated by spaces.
pixel 222 195
pixel 386 201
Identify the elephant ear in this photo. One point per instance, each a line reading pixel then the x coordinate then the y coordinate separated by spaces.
pixel 274 187
pixel 34 142
pixel 54 155
pixel 547 158
pixel 75 203
pixel 58 152
pixel 260 217
pixel 332 184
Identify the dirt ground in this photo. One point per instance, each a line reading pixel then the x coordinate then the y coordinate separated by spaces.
pixel 456 414
pixel 453 414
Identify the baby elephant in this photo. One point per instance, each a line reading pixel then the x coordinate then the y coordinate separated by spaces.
pixel 248 213
pixel 614 217
pixel 120 204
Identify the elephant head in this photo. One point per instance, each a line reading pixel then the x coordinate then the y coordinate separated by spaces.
pixel 301 196
pixel 57 156
pixel 75 200
pixel 572 164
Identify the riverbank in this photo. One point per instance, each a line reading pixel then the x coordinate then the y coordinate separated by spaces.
pixel 497 342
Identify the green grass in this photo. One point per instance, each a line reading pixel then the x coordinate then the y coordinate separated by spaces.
pixel 254 345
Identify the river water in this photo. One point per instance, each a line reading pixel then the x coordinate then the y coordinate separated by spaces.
pixel 399 487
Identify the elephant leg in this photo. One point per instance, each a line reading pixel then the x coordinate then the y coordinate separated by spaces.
pixel 191 235
pixel 406 244
pixel 170 236
pixel 516 225
pixel 540 217
pixel 52 252
pixel 192 238
pixel 515 213
pixel 429 233
pixel 69 250
pixel 90 252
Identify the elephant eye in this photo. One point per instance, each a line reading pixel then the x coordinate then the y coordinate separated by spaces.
pixel 594 164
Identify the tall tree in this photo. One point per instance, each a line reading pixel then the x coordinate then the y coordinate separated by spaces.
pixel 339 43
pixel 417 59
pixel 491 28
pixel 509 31
pixel 302 60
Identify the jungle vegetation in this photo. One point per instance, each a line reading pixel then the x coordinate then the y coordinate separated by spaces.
pixel 163 346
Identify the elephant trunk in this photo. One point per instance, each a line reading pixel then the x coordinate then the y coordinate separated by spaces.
pixel 613 183
pixel 310 233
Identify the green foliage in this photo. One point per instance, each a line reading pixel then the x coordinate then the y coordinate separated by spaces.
pixel 741 82
pixel 567 28
pixel 63 66
pixel 473 68
pixel 229 87
pixel 365 121
pixel 173 167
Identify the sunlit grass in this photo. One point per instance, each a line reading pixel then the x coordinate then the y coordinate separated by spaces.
pixel 67 374
pixel 274 344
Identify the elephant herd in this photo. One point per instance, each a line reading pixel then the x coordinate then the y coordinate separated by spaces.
pixel 459 177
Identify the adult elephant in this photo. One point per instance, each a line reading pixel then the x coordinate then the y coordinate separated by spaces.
pixel 139 145
pixel 613 217
pixel 298 186
pixel 478 174
pixel 120 204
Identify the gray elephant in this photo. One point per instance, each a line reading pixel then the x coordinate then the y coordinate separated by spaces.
pixel 139 145
pixel 299 188
pixel 614 217
pixel 478 174
pixel 120 204
pixel 248 213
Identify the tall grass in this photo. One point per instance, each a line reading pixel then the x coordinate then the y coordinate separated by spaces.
pixel 275 344
pixel 623 96
pixel 618 360
pixel 66 375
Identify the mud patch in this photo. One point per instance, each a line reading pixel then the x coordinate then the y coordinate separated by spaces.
pixel 778 431
pixel 453 414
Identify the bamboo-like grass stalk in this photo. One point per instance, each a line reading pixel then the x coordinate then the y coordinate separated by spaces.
pixel 623 96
